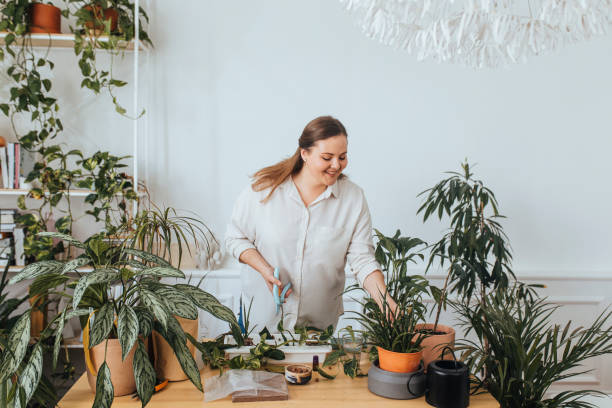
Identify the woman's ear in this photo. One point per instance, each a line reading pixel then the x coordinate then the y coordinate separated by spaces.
pixel 304 154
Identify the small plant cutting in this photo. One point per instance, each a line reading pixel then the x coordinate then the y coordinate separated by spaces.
pixel 525 353
pixel 126 301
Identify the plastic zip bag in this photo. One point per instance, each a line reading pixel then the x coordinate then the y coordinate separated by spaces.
pixel 246 384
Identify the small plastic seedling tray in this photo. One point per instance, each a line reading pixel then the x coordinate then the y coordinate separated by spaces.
pixel 293 354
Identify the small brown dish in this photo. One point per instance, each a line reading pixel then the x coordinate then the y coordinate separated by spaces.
pixel 298 374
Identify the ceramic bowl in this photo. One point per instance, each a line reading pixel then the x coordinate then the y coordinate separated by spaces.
pixel 298 374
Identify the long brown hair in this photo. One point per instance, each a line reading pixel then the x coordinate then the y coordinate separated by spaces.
pixel 320 128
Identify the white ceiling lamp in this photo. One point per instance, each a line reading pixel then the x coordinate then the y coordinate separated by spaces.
pixel 481 33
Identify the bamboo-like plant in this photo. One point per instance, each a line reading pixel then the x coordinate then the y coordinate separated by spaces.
pixel 144 304
pixel 524 353
pixel 475 249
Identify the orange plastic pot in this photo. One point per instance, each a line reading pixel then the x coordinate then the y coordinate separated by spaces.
pixel 434 344
pixel 398 362
pixel 44 18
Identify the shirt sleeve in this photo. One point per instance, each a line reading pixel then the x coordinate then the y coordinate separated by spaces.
pixel 240 233
pixel 360 254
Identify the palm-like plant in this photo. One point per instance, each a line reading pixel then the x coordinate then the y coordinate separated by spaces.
pixel 526 354
pixel 475 248
pixel 143 304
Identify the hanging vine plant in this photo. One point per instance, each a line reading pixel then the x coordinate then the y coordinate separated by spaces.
pixel 31 100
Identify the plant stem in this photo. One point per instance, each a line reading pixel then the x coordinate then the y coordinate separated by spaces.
pixel 442 299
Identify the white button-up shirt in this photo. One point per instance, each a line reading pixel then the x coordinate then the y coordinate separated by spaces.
pixel 310 246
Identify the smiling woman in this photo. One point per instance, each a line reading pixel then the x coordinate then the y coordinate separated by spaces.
pixel 303 217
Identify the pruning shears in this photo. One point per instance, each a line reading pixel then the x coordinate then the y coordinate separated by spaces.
pixel 278 299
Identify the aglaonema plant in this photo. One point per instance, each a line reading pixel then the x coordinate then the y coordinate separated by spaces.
pixel 144 304
pixel 475 249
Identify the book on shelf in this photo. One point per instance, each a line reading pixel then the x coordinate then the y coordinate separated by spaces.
pixel 3 167
pixel 10 160
pixel 18 238
pixel 15 165
pixel 17 154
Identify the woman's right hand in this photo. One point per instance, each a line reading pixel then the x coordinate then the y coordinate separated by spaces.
pixel 268 276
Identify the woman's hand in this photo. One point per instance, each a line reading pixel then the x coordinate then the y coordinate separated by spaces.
pixel 375 285
pixel 253 258
pixel 271 281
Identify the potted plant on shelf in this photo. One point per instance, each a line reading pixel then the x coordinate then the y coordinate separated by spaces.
pixel 525 353
pixel 128 302
pixel 474 251
pixel 44 18
pixel 395 336
pixel 393 254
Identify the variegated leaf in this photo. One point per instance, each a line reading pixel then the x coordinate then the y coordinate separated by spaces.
pixel 35 269
pixel 97 276
pixel 209 303
pixel 144 373
pixel 145 321
pixel 148 257
pixel 127 328
pixel 105 393
pixel 190 368
pixel 63 237
pixel 30 376
pixel 77 312
pixel 177 302
pixel 17 345
pixel 43 283
pixel 102 324
pixel 75 263
pixel 162 271
pixel 58 338
pixel 155 305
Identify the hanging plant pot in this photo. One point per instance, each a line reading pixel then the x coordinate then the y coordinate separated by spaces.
pixel 435 342
pixel 399 362
pixel 100 16
pixel 122 371
pixel 167 365
pixel 44 18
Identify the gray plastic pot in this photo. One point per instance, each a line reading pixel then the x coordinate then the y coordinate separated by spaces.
pixel 396 385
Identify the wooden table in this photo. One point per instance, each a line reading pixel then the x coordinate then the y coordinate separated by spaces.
pixel 341 392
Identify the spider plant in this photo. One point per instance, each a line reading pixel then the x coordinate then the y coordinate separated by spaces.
pixel 396 332
pixel 526 353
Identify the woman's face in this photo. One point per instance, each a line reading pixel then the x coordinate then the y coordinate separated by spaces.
pixel 326 159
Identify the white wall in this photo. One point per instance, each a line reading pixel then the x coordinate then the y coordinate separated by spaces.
pixel 234 83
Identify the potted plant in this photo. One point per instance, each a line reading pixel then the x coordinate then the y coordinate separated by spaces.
pixel 44 18
pixel 395 336
pixel 393 254
pixel 125 317
pixel 474 251
pixel 525 353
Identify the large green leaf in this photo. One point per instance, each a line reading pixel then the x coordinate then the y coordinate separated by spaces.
pixel 30 376
pixel 177 302
pixel 144 373
pixel 190 368
pixel 149 257
pixel 63 237
pixel 36 269
pixel 162 272
pixel 76 263
pixel 17 345
pixel 155 305
pixel 145 321
pixel 209 303
pixel 58 338
pixel 45 282
pixel 105 393
pixel 127 328
pixel 97 276
pixel 102 324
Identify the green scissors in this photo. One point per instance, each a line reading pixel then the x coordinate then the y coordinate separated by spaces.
pixel 278 300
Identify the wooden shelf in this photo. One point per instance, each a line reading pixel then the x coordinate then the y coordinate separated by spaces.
pixel 59 41
pixel 72 193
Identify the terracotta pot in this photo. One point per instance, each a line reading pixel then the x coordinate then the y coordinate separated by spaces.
pixel 433 345
pixel 122 372
pixel 44 18
pixel 38 320
pixel 398 362
pixel 101 16
pixel 167 365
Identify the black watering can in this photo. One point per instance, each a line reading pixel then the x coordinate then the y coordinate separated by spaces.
pixel 448 383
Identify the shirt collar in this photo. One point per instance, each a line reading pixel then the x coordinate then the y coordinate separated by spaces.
pixel 290 187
